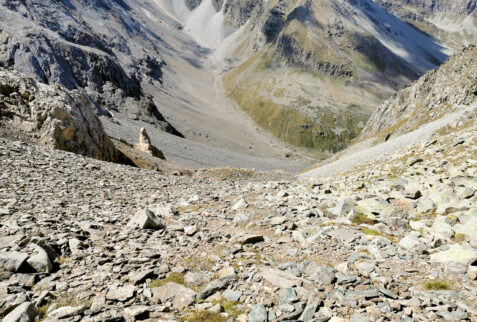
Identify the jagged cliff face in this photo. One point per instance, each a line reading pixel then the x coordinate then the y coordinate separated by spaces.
pixel 454 22
pixel 53 116
pixel 436 94
pixel 311 72
pixel 83 45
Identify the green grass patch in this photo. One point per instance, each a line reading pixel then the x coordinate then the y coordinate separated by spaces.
pixel 360 219
pixel 203 316
pixel 172 277
pixel 229 307
pixel 371 232
pixel 42 311
pixel 459 238
pixel 437 285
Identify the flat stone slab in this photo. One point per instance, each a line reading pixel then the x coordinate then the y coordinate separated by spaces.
pixel 344 235
pixel 180 296
pixel 279 278
pixel 121 294
pixel 456 254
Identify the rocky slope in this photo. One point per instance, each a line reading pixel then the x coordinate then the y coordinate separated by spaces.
pixel 453 22
pixel 53 116
pixel 435 95
pixel 83 240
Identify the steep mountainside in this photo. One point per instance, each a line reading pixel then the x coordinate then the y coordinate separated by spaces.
pixel 395 239
pixel 452 21
pixel 135 63
pixel 310 72
pixel 435 95
pixel 442 98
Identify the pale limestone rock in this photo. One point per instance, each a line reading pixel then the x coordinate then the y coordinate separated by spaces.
pixel 145 145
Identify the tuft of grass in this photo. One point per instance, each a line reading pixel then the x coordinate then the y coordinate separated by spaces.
pixel 203 316
pixel 63 260
pixel 459 238
pixel 437 285
pixel 229 307
pixel 172 277
pixel 360 219
pixel 371 232
pixel 42 311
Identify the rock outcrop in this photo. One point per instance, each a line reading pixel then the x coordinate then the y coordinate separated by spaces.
pixel 146 146
pixel 54 116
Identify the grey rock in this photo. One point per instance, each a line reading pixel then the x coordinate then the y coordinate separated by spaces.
pixel 40 261
pixel 279 278
pixel 252 239
pixel 139 312
pixel 180 296
pixel 459 254
pixel 472 272
pixel 364 268
pixel 196 278
pixel 146 219
pixel 213 287
pixel 359 318
pixel 75 245
pixel 63 119
pixel 346 279
pixel 288 295
pixel 66 312
pixel 425 205
pixel 308 312
pixel 121 294
pixel 344 235
pixel 258 314
pixel 25 312
pixel 411 242
pixel 140 277
pixel 232 295
pixel 241 218
pixel 13 261
pixel 324 314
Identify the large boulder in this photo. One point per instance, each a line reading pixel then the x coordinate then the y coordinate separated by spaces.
pixel 147 219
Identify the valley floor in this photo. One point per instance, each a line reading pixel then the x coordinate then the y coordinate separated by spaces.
pixel 392 239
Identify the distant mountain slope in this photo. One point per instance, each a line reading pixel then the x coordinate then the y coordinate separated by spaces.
pixel 434 95
pixel 454 22
pixel 318 69
pixel 308 72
